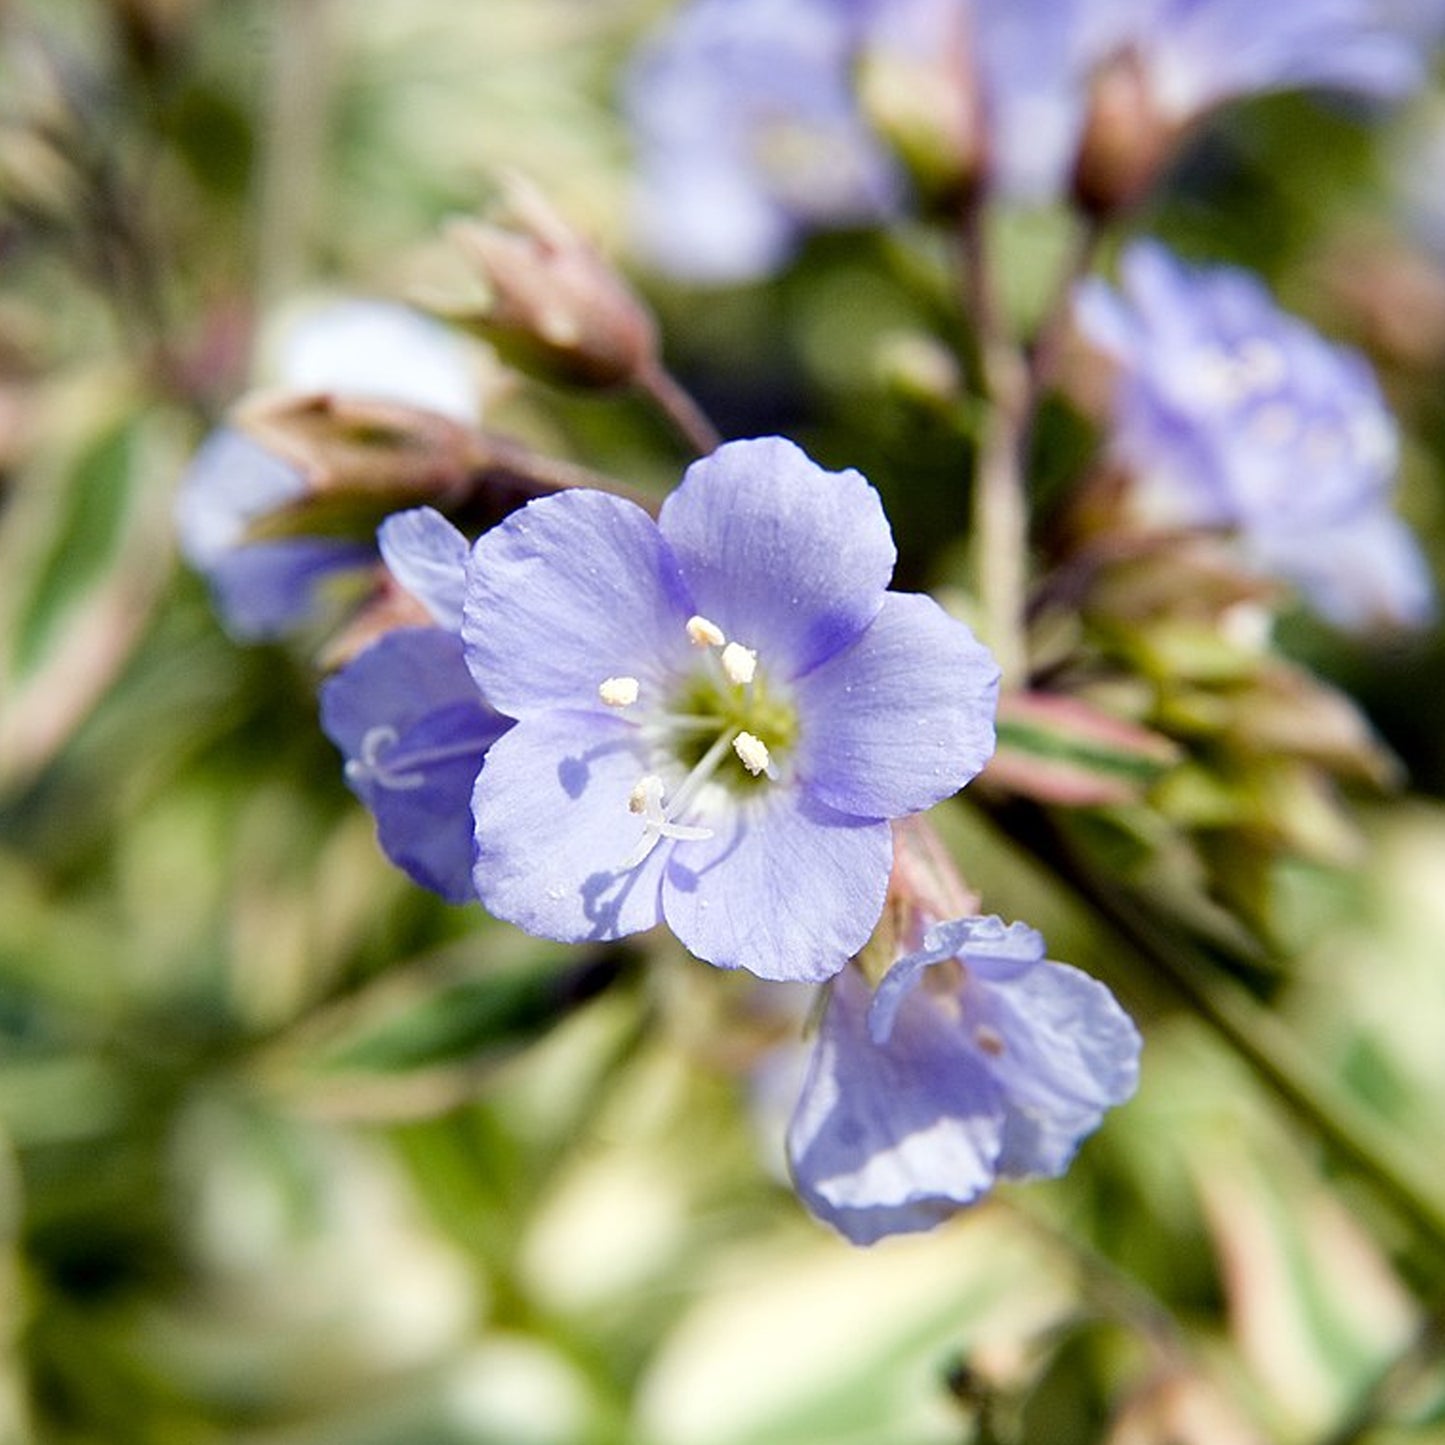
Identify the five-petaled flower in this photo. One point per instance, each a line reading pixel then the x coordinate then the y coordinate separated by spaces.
pixel 717 712
pixel 975 1060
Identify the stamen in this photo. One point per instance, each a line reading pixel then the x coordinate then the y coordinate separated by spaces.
pixel 702 633
pixel 372 767
pixel 752 753
pixel 739 663
pixel 618 691
pixel 645 799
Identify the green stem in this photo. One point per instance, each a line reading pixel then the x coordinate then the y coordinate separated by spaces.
pixel 1000 513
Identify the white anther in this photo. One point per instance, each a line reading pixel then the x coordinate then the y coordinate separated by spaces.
pixel 702 633
pixel 739 663
pixel 618 691
pixel 752 752
pixel 645 800
pixel 989 1040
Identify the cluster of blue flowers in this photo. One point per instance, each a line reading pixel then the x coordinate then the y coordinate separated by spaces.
pixel 751 131
pixel 594 721
pixel 606 721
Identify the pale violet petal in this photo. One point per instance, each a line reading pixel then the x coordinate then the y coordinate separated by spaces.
pixel 785 557
pixel 553 829
pixel 428 556
pixel 1063 1052
pixel 567 592
pixel 414 730
pixel 903 717
pixel 894 1139
pixel 786 888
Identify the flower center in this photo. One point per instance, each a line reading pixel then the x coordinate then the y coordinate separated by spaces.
pixel 725 726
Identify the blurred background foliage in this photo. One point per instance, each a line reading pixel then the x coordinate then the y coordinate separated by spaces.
pixel 291 1153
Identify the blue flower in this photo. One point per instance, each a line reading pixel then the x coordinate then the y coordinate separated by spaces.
pixel 408 718
pixel 1230 413
pixel 363 349
pixel 749 136
pixel 1196 54
pixel 976 1060
pixel 717 712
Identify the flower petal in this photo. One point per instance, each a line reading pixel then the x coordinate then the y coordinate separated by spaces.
pixel 571 590
pixel 901 719
pixel 553 826
pixel 1067 1052
pixel 987 947
pixel 786 888
pixel 785 557
pixel 412 689
pixel 892 1139
pixel 428 556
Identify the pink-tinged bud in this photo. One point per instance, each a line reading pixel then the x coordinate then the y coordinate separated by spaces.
pixel 554 306
pixel 1127 139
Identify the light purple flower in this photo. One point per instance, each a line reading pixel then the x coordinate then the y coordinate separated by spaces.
pixel 407 715
pixel 717 712
pixel 362 349
pixel 976 1060
pixel 1230 413
pixel 1196 54
pixel 749 136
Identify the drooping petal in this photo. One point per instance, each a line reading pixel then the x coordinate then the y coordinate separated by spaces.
pixel 414 729
pixel 428 556
pixel 553 829
pixel 785 557
pixel 1062 1051
pixel 786 888
pixel 567 592
pixel 902 718
pixel 892 1139
pixel 988 948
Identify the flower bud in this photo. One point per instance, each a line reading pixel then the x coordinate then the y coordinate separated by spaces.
pixel 927 107
pixel 1127 139
pixel 553 306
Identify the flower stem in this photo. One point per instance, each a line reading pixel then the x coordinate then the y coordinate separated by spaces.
pixel 1000 514
pixel 677 404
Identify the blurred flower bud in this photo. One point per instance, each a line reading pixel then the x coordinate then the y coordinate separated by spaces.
pixel 919 369
pixel 1127 139
pixel 352 450
pixel 927 107
pixel 553 306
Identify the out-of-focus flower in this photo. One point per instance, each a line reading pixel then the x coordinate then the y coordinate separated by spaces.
pixel 1018 72
pixel 749 136
pixel 1159 65
pixel 1229 413
pixel 976 1060
pixel 717 712
pixel 362 349
pixel 408 717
